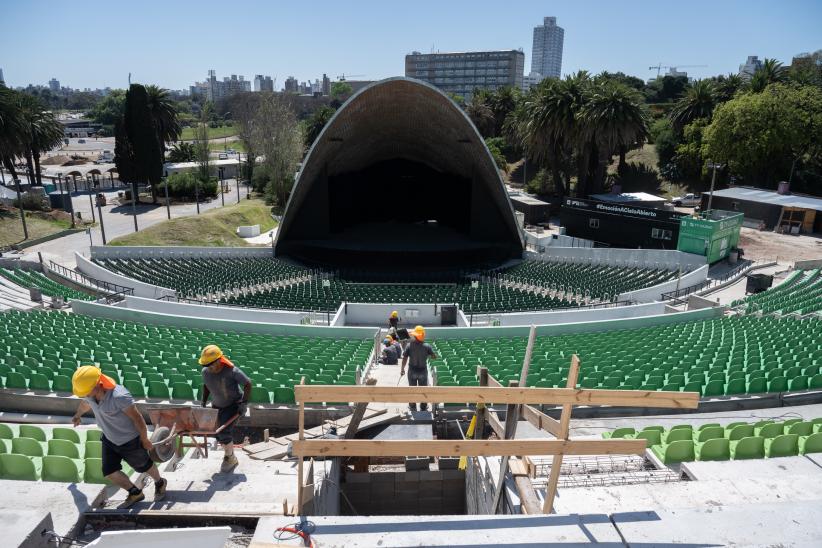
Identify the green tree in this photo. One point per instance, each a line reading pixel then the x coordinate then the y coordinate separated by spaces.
pixel 764 137
pixel 277 137
pixel 481 114
pixel 110 108
pixel 689 160
pixel 140 158
pixel 699 102
pixel 315 124
pixel 340 91
pixel 664 138
pixel 12 129
pixel 182 152
pixel 503 103
pixel 494 145
pixel 164 113
pixel 666 89
pixel 726 87
pixel 46 133
pixel 201 150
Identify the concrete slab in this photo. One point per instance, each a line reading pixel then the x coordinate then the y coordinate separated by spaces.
pixel 24 527
pixel 454 531
pixel 783 524
pixel 758 468
pixel 406 432
pixel 815 458
pixel 190 537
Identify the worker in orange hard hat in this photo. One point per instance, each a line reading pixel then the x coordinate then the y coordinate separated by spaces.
pixel 125 437
pixel 416 357
pixel 229 389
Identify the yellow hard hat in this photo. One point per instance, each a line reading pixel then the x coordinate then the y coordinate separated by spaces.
pixel 419 333
pixel 212 353
pixel 86 378
pixel 394 314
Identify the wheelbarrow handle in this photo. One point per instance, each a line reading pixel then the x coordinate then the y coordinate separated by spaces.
pixel 228 422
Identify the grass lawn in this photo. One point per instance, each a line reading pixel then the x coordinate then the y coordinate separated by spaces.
pixel 11 227
pixel 214 228
pixel 213 132
pixel 220 146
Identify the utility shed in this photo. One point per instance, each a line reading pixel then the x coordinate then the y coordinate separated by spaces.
pixel 711 233
pixel 782 211
pixel 535 211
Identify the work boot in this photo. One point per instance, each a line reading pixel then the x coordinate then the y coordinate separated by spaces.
pixel 412 407
pixel 160 489
pixel 134 495
pixel 229 463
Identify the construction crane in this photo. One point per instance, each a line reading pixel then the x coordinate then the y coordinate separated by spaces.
pixel 660 66
pixel 341 77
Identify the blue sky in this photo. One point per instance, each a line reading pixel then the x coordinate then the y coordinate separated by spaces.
pixel 89 43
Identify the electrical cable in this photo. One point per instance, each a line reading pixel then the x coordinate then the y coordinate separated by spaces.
pixel 61 539
pixel 301 529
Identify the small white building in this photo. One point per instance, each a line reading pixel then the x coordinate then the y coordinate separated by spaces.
pixel 230 167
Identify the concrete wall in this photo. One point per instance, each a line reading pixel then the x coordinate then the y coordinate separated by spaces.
pixel 434 333
pixel 556 240
pixel 140 289
pixel 158 318
pixel 377 314
pixel 807 265
pixel 179 252
pixel 652 258
pixel 215 312
pixel 405 493
pixel 654 293
pixel 573 315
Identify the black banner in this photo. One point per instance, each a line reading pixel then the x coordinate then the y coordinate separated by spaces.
pixel 615 208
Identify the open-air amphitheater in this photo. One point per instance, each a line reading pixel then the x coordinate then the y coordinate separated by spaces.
pixel 578 395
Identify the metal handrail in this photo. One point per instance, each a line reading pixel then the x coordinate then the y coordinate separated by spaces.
pixel 110 291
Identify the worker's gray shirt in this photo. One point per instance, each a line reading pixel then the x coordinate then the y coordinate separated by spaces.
pixel 226 387
pixel 117 427
pixel 417 354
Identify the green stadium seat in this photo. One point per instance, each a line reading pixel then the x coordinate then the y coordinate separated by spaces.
pixel 678 433
pixel 93 470
pixel 284 395
pixel 770 430
pixel 62 469
pixel 676 451
pixel 810 444
pixel 709 433
pixel 26 446
pixel 801 428
pixel 260 395
pixel 739 431
pixel 65 434
pixel 619 433
pixel 713 449
pixel 93 449
pixel 158 390
pixel 6 433
pixel 94 435
pixel 18 467
pixel 61 383
pixel 786 445
pixel 752 447
pixel 63 448
pixel 182 391
pixel 33 432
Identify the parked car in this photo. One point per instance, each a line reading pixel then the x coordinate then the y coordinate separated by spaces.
pixel 689 200
pixel 223 156
pixel 81 141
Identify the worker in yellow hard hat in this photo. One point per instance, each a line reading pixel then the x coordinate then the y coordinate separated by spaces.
pixel 391 352
pixel 125 437
pixel 222 380
pixel 416 357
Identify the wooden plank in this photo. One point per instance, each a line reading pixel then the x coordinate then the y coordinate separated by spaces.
pixel 301 431
pixel 482 411
pixel 518 467
pixel 540 419
pixel 511 420
pixel 496 425
pixel 471 448
pixel 529 502
pixel 462 394
pixel 564 424
pixel 357 416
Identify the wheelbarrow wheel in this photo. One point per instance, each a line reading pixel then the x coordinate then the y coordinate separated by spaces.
pixel 165 451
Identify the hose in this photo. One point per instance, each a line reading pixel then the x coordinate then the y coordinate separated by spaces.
pixel 297 532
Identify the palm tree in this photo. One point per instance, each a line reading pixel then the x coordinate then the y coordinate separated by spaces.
pixel 481 114
pixel 182 152
pixel 613 120
pixel 773 71
pixel 726 87
pixel 315 124
pixel 699 102
pixel 164 112
pixel 46 133
pixel 12 129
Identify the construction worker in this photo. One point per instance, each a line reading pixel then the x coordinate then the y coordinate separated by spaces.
pixel 416 357
pixel 393 322
pixel 125 437
pixel 392 352
pixel 222 381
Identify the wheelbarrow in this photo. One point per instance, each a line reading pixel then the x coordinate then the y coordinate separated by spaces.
pixel 173 423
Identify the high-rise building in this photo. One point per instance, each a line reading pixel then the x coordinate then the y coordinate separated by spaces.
pixel 54 84
pixel 750 66
pixel 291 85
pixel 326 84
pixel 462 73
pixel 263 83
pixel 546 56
pixel 214 89
pixel 2 80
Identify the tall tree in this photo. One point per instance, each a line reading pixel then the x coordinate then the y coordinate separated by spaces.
pixel 315 124
pixel 164 112
pixel 699 102
pixel 725 87
pixel 277 137
pixel 12 129
pixel 481 114
pixel 142 156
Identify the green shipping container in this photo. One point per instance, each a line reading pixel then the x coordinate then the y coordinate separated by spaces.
pixel 713 234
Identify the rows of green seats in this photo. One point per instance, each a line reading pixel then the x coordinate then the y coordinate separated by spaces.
pixel 29 278
pixel 801 293
pixel 315 295
pixel 29 452
pixel 195 276
pixel 718 357
pixel 597 280
pixel 41 350
pixel 737 440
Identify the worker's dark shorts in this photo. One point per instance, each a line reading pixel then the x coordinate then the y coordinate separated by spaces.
pixel 132 452
pixel 223 414
pixel 417 377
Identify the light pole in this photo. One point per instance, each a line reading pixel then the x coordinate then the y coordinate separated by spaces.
pixel 197 193
pixel 168 207
pixel 237 177
pixel 90 203
pixel 714 166
pixel 22 211
pixel 100 200
pixel 222 187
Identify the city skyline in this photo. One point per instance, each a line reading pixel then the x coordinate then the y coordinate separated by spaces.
pixel 599 36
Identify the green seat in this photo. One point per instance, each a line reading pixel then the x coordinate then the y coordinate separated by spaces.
pixel 752 447
pixel 63 448
pixel 713 449
pixel 619 433
pixel 135 388
pixel 6 433
pixel 62 469
pixel 158 390
pixel 770 430
pixel 800 428
pixel 26 446
pixel 740 431
pixel 33 432
pixel 653 436
pixel 810 444
pixel 786 445
pixel 38 381
pixel 709 433
pixel 182 391
pixel 260 394
pixel 678 433
pixel 284 395
pixel 93 470
pixel 94 449
pixel 65 434
pixel 94 435
pixel 18 467
pixel 61 383
pixel 676 451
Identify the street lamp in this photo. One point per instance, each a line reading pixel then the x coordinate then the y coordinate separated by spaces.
pixel 100 200
pixel 168 207
pixel 714 166
pixel 90 203
pixel 222 187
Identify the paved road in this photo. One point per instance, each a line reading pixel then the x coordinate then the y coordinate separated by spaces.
pixel 118 221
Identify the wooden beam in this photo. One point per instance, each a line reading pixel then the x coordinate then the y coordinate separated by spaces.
pixel 496 424
pixel 359 412
pixel 301 432
pixel 463 394
pixel 529 503
pixel 540 419
pixel 482 411
pixel 511 420
pixel 564 425
pixel 471 448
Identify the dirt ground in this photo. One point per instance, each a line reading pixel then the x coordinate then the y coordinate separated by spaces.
pixel 759 244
